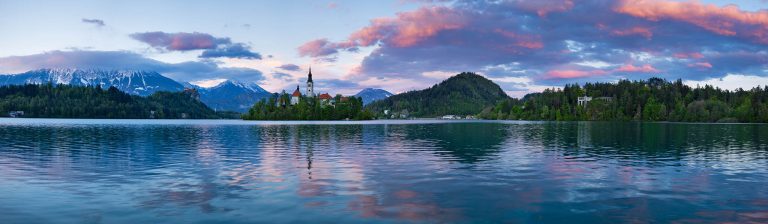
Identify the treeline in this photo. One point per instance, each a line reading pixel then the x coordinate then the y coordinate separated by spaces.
pixel 652 100
pixel 279 107
pixel 66 101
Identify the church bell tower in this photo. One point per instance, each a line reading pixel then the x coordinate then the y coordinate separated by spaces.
pixel 310 85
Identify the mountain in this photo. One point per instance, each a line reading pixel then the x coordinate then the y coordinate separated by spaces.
pixel 141 83
pixel 229 95
pixel 369 95
pixel 232 95
pixel 463 94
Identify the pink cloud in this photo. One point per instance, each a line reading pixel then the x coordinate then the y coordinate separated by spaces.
pixel 544 7
pixel 631 68
pixel 641 31
pixel 570 74
pixel 405 30
pixel 727 20
pixel 695 55
pixel 520 40
pixel 701 65
pixel 317 48
pixel 409 28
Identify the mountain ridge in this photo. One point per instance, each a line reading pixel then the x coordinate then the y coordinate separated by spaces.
pixel 231 95
pixel 370 95
pixel 136 82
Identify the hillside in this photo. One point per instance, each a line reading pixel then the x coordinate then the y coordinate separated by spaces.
pixel 654 99
pixel 463 94
pixel 66 101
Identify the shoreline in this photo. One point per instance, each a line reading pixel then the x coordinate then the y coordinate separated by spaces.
pixel 100 121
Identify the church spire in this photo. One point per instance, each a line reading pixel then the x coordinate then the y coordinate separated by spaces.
pixel 310 74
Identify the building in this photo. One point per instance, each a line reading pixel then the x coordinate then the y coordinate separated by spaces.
pixel 325 99
pixel 450 117
pixel 605 98
pixel 310 85
pixel 583 100
pixel 192 92
pixel 18 113
pixel 295 96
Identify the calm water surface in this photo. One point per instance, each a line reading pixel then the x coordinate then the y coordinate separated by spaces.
pixel 139 171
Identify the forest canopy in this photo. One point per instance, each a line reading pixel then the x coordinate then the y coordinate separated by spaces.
pixel 66 101
pixel 654 99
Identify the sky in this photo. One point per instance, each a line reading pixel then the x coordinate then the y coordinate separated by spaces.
pixel 397 45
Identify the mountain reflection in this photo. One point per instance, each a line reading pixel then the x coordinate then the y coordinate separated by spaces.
pixel 543 172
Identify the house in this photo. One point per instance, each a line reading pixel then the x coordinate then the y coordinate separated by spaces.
pixel 605 98
pixel 325 99
pixel 450 117
pixel 583 100
pixel 295 96
pixel 17 113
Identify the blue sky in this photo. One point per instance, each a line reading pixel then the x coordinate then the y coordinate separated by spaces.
pixel 397 45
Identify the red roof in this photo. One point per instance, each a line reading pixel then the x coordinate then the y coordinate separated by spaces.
pixel 296 92
pixel 325 96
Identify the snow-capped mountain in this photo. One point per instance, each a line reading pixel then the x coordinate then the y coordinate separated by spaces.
pixel 133 82
pixel 229 95
pixel 232 95
pixel 369 95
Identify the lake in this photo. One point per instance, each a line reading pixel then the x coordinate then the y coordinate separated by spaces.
pixel 211 171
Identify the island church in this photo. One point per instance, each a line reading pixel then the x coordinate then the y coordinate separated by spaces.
pixel 325 98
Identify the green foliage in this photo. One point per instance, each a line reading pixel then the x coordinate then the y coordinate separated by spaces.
pixel 463 94
pixel 652 100
pixel 309 108
pixel 64 101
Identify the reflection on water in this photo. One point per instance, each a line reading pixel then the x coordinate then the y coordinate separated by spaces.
pixel 542 172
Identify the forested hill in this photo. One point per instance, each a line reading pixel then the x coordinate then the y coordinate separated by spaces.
pixel 463 94
pixel 652 100
pixel 65 101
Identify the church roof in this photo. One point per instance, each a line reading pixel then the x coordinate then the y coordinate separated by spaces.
pixel 296 92
pixel 310 75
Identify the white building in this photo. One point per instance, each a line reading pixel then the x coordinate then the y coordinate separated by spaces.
pixel 295 96
pixel 583 100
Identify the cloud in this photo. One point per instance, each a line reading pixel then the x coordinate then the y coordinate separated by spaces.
pixel 96 22
pixel 214 47
pixel 180 41
pixel 185 71
pixel 289 67
pixel 236 50
pixel 554 42
pixel 318 48
pixel 728 20
pixel 631 68
pixel 283 76
pixel 569 74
